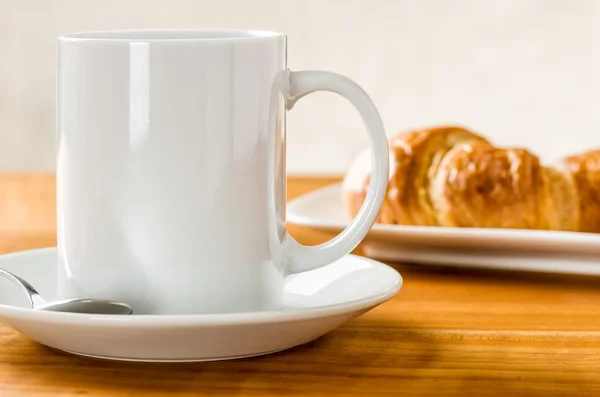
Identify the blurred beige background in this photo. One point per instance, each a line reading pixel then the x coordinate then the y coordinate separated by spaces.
pixel 521 72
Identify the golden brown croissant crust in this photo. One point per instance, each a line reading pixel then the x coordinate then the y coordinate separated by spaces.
pixel 451 176
pixel 585 170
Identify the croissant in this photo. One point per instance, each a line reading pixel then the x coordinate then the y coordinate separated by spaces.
pixel 585 171
pixel 453 177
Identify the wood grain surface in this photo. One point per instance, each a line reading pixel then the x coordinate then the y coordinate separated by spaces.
pixel 448 332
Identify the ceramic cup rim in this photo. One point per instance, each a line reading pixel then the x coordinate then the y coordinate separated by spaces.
pixel 162 35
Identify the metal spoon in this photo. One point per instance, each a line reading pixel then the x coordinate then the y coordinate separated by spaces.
pixel 88 306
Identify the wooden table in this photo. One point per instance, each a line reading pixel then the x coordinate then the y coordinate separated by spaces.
pixel 448 332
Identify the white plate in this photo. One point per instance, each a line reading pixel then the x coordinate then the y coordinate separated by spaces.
pixel 498 260
pixel 323 209
pixel 316 302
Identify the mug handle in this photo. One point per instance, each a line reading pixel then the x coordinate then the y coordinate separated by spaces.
pixel 302 258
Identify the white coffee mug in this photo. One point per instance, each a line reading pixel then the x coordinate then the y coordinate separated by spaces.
pixel 171 169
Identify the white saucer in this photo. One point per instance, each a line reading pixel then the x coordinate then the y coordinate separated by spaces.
pixel 316 302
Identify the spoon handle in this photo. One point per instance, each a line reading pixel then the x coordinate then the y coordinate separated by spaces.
pixel 34 297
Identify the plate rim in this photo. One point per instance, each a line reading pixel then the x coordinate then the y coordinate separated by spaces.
pixel 216 319
pixel 293 216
